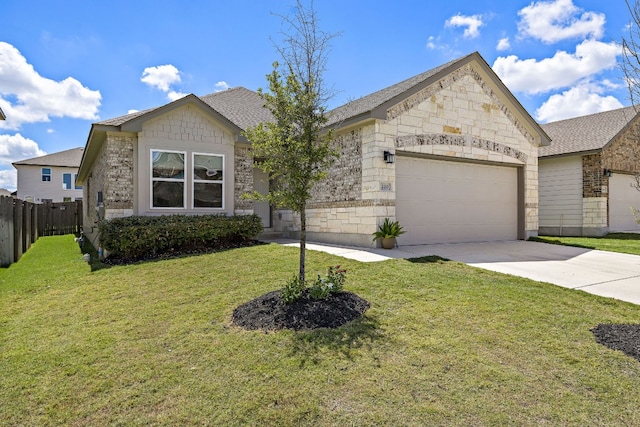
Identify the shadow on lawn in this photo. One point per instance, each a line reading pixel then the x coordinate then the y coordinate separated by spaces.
pixel 311 345
pixel 430 259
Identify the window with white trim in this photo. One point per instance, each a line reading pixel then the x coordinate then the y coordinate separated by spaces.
pixel 168 179
pixel 66 181
pixel 46 174
pixel 208 184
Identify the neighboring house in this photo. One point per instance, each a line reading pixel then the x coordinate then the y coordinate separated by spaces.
pixel 450 153
pixel 50 178
pixel 2 116
pixel 5 192
pixel 587 174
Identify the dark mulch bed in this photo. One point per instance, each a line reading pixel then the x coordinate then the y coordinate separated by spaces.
pixel 269 312
pixel 115 260
pixel 623 337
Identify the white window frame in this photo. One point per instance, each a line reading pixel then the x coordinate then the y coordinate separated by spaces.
pixel 49 174
pixel 71 181
pixel 194 180
pixel 183 180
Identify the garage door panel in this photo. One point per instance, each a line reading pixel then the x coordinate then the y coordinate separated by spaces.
pixel 622 196
pixel 446 201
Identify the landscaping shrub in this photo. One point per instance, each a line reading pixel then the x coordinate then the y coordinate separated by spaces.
pixel 138 237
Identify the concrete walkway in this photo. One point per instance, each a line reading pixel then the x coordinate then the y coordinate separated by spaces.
pixel 601 273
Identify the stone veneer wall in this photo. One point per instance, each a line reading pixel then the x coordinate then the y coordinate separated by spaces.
pixel 593 179
pixel 243 171
pixel 594 216
pixel 112 174
pixel 621 155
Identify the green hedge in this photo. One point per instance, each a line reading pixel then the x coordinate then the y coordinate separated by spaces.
pixel 139 237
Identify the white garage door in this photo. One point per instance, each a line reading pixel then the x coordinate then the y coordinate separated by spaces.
pixel 622 196
pixel 448 202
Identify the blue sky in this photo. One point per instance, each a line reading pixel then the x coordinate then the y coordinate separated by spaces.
pixel 67 64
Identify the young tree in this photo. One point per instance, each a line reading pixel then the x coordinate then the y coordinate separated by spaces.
pixel 295 148
pixel 631 54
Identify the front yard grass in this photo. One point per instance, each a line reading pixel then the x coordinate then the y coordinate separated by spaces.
pixel 627 243
pixel 442 344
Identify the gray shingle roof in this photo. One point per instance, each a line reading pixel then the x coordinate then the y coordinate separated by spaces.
pixel 241 106
pixel 376 99
pixel 67 158
pixel 585 133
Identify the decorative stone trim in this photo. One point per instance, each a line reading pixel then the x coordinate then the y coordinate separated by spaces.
pixel 460 141
pixel 351 204
pixel 447 81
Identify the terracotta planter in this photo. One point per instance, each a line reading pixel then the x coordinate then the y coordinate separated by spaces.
pixel 388 242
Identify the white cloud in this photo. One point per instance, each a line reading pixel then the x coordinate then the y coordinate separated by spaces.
pixel 580 100
pixel 12 149
pixel 472 24
pixel 220 86
pixel 173 95
pixel 17 147
pixel 9 179
pixel 552 21
pixel 27 97
pixel 503 44
pixel 560 71
pixel 161 77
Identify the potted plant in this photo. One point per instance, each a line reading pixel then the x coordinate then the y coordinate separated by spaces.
pixel 387 232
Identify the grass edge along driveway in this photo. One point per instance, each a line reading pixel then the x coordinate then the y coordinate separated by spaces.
pixel 443 344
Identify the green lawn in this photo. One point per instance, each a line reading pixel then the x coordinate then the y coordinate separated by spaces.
pixel 628 243
pixel 443 344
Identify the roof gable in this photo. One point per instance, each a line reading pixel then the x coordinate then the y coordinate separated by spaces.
pixel 586 133
pixel 2 116
pixel 378 105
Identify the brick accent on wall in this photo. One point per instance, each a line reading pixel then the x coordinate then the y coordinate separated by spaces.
pixel 344 180
pixel 592 176
pixel 623 153
pixel 243 170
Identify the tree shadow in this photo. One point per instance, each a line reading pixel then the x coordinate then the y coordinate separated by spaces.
pixel 310 346
pixel 559 242
pixel 430 259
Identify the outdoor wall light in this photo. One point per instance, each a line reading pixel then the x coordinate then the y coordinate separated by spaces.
pixel 607 172
pixel 389 157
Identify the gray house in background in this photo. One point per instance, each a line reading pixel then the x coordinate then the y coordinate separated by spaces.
pixel 586 175
pixel 50 178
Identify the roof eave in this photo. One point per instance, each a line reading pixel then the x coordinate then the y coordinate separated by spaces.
pixel 573 153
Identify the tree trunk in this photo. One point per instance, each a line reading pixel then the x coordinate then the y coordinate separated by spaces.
pixel 303 243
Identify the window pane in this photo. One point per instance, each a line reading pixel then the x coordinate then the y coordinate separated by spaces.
pixel 207 168
pixel 66 181
pixel 168 165
pixel 207 195
pixel 168 194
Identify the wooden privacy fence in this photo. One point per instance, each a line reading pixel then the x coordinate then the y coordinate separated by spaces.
pixel 21 223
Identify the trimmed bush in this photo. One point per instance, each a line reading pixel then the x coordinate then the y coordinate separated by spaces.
pixel 137 237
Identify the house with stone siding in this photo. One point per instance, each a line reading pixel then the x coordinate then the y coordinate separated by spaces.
pixel 450 153
pixel 587 184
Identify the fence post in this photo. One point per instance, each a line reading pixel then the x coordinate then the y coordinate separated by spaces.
pixel 18 206
pixel 6 231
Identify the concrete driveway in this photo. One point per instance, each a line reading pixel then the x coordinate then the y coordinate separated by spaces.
pixel 602 273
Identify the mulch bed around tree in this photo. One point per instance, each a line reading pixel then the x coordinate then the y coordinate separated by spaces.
pixel 623 337
pixel 269 312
